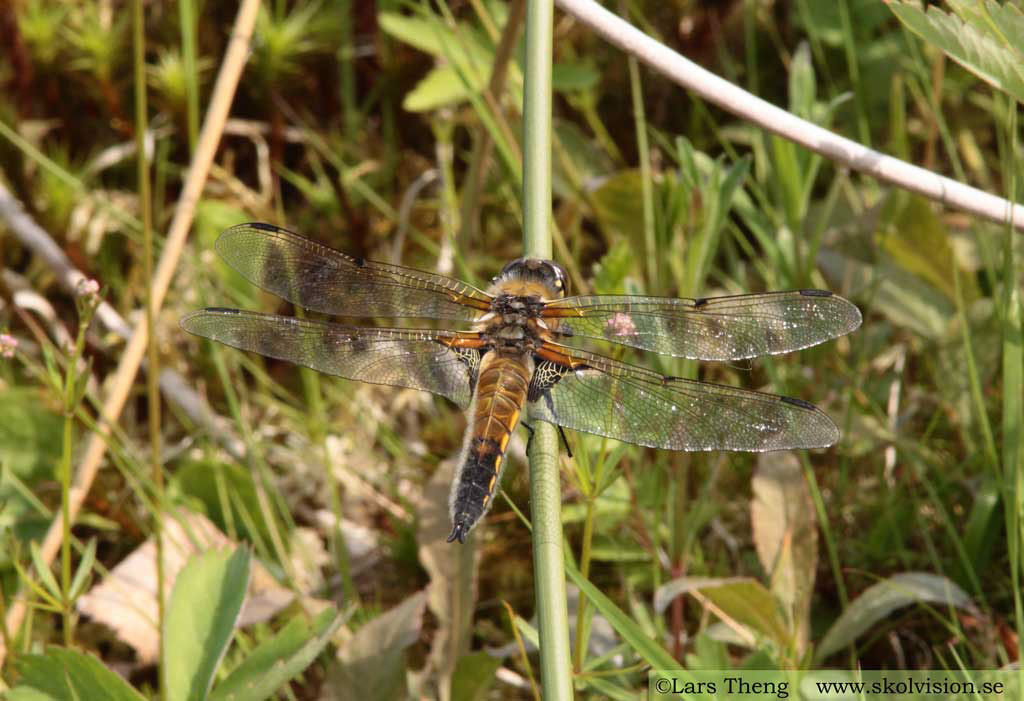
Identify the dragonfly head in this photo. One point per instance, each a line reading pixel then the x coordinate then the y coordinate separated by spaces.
pixel 547 276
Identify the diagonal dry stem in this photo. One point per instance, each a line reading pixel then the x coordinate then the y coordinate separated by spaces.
pixel 738 101
pixel 124 377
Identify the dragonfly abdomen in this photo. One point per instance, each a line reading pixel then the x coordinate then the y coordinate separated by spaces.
pixel 494 414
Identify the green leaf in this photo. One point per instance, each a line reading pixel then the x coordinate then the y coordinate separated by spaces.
pixel 30 435
pixel 441 86
pixel 81 578
pixel 44 573
pixel 414 31
pixel 279 659
pixel 66 675
pixel 879 600
pixel 987 39
pixel 744 600
pixel 474 676
pixel 915 240
pixel 200 620
pixel 465 61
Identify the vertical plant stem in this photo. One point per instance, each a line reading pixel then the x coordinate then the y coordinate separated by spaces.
pixel 1013 377
pixel 65 497
pixel 644 153
pixel 153 360
pixel 187 17
pixel 545 489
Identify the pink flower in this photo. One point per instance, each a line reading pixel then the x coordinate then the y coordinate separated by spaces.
pixel 7 345
pixel 87 288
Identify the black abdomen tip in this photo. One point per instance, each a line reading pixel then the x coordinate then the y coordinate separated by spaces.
pixel 458 533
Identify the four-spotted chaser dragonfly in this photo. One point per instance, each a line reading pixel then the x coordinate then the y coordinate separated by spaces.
pixel 513 354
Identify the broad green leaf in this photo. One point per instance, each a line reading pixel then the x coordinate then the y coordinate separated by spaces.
pixel 67 675
pixel 30 435
pixel 474 676
pixel 988 42
pixel 277 660
pixel 373 662
pixel 441 86
pixel 745 601
pixel 465 61
pixel 200 620
pixel 418 32
pixel 785 534
pixel 879 600
pixel 915 240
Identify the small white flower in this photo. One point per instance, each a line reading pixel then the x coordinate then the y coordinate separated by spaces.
pixel 87 288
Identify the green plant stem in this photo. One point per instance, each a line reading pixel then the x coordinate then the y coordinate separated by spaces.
pixel 643 148
pixel 545 489
pixel 153 359
pixel 71 397
pixel 187 17
pixel 65 501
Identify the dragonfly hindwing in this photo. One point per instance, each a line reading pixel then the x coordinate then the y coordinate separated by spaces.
pixel 546 375
pixel 471 357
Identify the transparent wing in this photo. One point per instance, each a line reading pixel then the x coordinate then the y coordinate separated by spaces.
pixel 603 396
pixel 398 357
pixel 325 280
pixel 716 328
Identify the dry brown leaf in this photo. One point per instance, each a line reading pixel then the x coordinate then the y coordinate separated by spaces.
pixel 126 599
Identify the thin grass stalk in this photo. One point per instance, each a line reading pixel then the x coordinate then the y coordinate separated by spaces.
pixel 545 489
pixel 131 359
pixel 152 357
pixel 187 18
pixel 646 187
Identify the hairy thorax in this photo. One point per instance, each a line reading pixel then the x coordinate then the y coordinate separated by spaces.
pixel 513 325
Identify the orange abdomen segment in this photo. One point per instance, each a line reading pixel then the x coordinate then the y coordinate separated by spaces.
pixel 498 403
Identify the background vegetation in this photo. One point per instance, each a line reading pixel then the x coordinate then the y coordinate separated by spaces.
pixel 392 131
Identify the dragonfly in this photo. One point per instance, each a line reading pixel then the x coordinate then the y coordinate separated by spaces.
pixel 513 347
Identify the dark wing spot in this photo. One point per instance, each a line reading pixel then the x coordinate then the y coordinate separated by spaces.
pixel 700 302
pixel 815 293
pixel 669 378
pixel 798 402
pixel 359 343
pixel 263 226
pixel 360 262
pixel 223 310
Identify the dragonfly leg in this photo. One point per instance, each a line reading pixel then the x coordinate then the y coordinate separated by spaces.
pixel 561 432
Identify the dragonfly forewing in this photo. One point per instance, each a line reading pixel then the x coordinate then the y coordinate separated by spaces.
pixel 322 279
pixel 715 328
